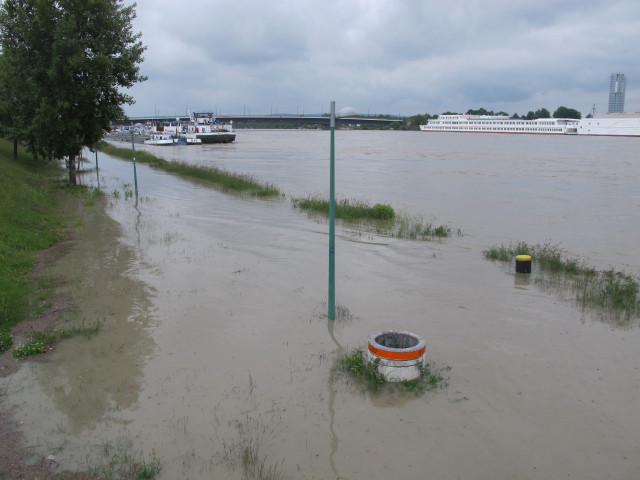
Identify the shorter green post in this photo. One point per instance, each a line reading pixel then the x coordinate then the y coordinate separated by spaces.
pixel 97 168
pixel 135 175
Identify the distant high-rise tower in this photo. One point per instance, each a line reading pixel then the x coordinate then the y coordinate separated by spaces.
pixel 616 92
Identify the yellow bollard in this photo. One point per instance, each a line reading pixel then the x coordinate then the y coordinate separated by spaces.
pixel 523 263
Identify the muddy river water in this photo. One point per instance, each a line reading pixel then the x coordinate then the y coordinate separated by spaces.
pixel 215 338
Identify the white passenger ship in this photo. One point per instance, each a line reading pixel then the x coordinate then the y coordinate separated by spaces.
pixel 620 124
pixel 500 124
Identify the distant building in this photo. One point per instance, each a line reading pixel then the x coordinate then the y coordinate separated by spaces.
pixel 616 92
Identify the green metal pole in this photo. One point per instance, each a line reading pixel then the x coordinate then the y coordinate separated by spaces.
pixel 97 168
pixel 135 175
pixel 332 213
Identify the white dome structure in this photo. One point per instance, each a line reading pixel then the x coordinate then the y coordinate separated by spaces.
pixel 347 112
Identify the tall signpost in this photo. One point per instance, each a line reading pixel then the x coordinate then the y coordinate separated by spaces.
pixel 332 207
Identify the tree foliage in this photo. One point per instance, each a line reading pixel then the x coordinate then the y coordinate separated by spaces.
pixel 484 111
pixel 414 122
pixel 64 65
pixel 543 113
pixel 564 112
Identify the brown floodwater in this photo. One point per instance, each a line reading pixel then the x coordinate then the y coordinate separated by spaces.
pixel 215 338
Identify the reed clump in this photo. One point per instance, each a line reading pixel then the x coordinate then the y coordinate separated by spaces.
pixel 228 181
pixel 611 291
pixel 379 218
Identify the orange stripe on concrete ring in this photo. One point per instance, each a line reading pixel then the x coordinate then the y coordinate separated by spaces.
pixel 411 355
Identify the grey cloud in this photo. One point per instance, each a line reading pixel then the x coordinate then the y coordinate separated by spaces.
pixel 405 56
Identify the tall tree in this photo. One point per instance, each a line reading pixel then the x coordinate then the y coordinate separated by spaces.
pixel 73 58
pixel 542 113
pixel 564 112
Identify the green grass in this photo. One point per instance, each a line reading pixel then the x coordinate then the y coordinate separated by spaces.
pixel 245 453
pixel 42 341
pixel 609 291
pixel 121 460
pixel 364 373
pixel 227 181
pixel 6 339
pixel 28 223
pixel 378 218
pixel 348 210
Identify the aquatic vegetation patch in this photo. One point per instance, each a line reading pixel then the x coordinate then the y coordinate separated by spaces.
pixel 379 218
pixel 42 341
pixel 228 181
pixel 365 373
pixel 345 209
pixel 614 293
pixel 245 453
pixel 120 460
pixel 30 349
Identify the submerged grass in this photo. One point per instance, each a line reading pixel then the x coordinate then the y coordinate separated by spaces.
pixel 379 218
pixel 364 373
pixel 228 181
pixel 121 460
pixel 245 453
pixel 42 341
pixel 610 291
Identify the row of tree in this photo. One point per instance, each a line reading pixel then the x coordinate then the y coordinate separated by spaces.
pixel 63 64
pixel 561 112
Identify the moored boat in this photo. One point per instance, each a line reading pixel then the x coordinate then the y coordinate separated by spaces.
pixel 501 124
pixel 205 127
pixel 202 128
pixel 159 138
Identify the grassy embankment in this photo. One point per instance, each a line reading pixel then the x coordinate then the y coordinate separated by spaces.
pixel 31 198
pixel 615 294
pixel 228 181
pixel 28 224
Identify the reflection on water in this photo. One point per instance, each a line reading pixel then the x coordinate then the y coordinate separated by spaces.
pixel 88 378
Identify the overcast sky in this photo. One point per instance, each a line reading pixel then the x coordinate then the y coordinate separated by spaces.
pixel 401 57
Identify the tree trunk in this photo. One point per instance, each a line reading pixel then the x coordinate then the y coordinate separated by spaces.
pixel 15 148
pixel 71 166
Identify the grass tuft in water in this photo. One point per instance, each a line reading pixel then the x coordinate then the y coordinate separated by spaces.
pixel 228 181
pixel 121 460
pixel 245 452
pixel 379 218
pixel 364 373
pixel 147 471
pixel 348 210
pixel 611 291
pixel 42 341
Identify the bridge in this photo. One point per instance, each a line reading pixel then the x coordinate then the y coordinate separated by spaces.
pixel 322 120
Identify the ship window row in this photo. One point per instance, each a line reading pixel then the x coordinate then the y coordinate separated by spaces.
pixel 495 129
